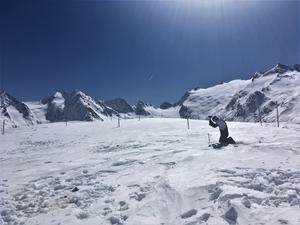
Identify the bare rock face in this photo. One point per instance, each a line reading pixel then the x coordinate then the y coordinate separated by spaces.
pixel 296 67
pixel 184 112
pixel 140 109
pixel 165 105
pixel 252 102
pixel 120 105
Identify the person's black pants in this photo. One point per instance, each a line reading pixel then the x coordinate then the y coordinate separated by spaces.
pixel 224 135
pixel 224 139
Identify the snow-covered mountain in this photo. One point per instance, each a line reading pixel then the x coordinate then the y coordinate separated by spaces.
pixel 140 109
pixel 14 112
pixel 75 105
pixel 199 103
pixel 238 100
pixel 120 105
pixel 246 100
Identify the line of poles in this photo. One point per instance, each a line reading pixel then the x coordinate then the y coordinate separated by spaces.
pixel 187 120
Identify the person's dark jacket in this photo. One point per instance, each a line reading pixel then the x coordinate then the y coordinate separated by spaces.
pixel 218 122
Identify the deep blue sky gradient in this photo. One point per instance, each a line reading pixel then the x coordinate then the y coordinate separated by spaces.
pixel 149 50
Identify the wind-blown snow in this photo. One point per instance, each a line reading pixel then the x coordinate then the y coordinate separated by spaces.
pixel 152 171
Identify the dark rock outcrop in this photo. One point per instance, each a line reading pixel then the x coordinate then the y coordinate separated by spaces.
pixel 140 109
pixel 120 105
pixel 165 105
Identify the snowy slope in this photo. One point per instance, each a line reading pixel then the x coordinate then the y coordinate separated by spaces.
pixel 39 110
pixel 203 102
pixel 14 112
pixel 247 100
pixel 152 171
pixel 280 84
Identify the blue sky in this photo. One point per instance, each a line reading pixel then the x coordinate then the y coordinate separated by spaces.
pixel 148 50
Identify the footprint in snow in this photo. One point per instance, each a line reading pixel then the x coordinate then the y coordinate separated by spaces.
pixel 189 213
pixel 138 196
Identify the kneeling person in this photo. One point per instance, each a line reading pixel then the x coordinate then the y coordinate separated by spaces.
pixel 215 121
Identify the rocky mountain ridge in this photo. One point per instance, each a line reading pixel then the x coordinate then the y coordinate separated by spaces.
pixel 238 100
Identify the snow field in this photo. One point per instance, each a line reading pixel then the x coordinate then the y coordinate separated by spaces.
pixel 152 171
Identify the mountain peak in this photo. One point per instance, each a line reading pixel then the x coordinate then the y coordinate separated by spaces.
pixel 279 68
pixel 74 105
pixel 57 94
pixel 296 67
pixel 78 92
pixel 120 105
pixel 140 108
pixel 6 98
pixel 14 110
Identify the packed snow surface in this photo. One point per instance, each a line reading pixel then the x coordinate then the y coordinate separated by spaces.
pixel 153 171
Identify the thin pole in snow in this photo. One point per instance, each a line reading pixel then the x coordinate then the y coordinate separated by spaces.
pixel 139 117
pixel 259 116
pixel 208 136
pixel 119 121
pixel 3 127
pixel 277 115
pixel 188 123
